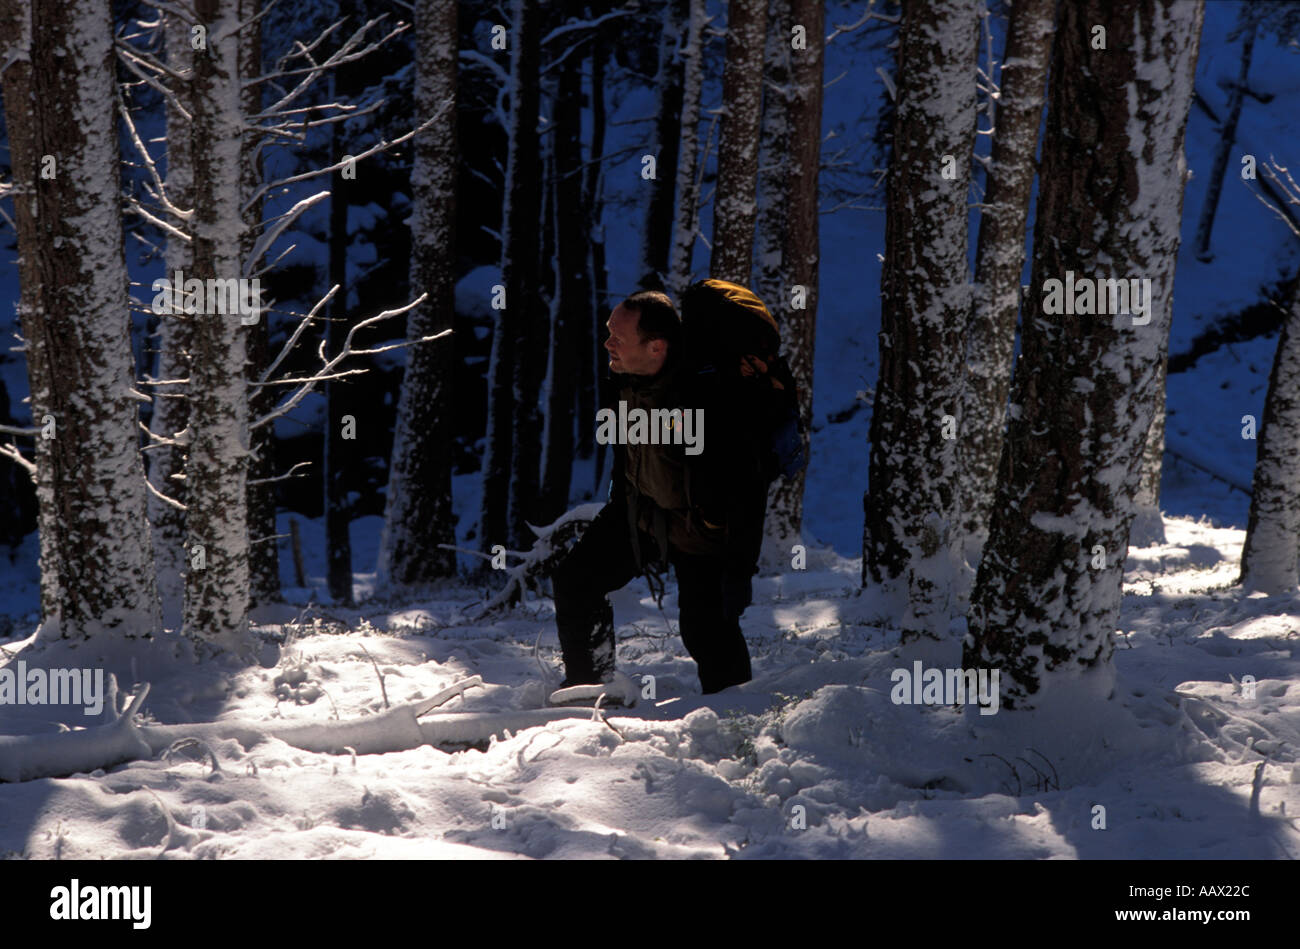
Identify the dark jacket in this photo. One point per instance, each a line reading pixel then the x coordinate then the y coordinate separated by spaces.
pixel 711 503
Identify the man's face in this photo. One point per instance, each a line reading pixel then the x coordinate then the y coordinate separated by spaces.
pixel 628 353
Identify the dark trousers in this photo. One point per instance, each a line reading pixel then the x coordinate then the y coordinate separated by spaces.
pixel 711 596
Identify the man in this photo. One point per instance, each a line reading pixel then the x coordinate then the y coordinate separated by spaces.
pixel 700 511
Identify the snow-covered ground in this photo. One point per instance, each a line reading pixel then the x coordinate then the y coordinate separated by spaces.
pixel 1184 762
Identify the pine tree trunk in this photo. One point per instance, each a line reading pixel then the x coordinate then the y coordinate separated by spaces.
pixel 1000 261
pixel 1227 135
pixel 264 547
pixel 417 514
pixel 800 252
pixel 773 162
pixel 24 160
pixel 526 319
pixel 1270 560
pixel 742 97
pixel 216 470
pixel 687 191
pixel 657 238
pixel 911 532
pixel 338 404
pixel 1148 523
pixel 171 402
pixel 594 192
pixel 70 242
pixel 572 306
pixel 1047 595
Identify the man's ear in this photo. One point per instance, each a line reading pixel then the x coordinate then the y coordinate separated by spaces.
pixel 658 346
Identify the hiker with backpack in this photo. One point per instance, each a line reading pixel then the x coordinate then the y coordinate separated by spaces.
pixel 696 507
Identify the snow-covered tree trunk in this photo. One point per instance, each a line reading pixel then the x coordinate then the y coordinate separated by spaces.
pixel 216 470
pixel 525 317
pixel 657 236
pixel 742 101
pixel 571 307
pixel 1047 595
pixel 170 403
pixel 1270 560
pixel 70 239
pixel 24 160
pixel 910 533
pixel 773 160
pixel 1249 25
pixel 1000 260
pixel 1148 523
pixel 417 512
pixel 795 302
pixel 686 213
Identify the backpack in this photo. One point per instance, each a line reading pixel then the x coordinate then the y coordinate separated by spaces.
pixel 729 335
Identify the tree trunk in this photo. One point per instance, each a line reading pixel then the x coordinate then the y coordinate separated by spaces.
pixel 774 162
pixel 911 508
pixel 687 210
pixel 338 405
pixel 594 192
pixel 417 513
pixel 572 306
pixel 742 97
pixel 1270 561
pixel 70 245
pixel 264 547
pixel 800 250
pixel 1148 523
pixel 1047 595
pixel 24 160
pixel 527 321
pixel 658 234
pixel 216 471
pixel 1228 134
pixel 1000 261
pixel 171 402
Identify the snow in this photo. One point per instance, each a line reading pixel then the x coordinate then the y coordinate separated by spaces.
pixel 1172 758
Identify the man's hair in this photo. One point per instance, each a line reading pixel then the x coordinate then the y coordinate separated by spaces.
pixel 658 317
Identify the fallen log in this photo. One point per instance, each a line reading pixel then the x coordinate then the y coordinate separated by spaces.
pixel 28 757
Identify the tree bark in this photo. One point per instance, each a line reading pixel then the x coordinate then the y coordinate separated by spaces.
pixel 1270 560
pixel 527 319
pixel 572 306
pixel 800 249
pixel 910 532
pixel 264 547
pixel 657 238
pixel 338 405
pixel 687 207
pixel 216 471
pixel 1000 260
pixel 594 199
pixel 417 513
pixel 24 160
pixel 1047 595
pixel 70 245
pixel 742 96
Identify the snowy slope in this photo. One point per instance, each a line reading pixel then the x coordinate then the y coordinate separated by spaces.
pixel 1173 763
